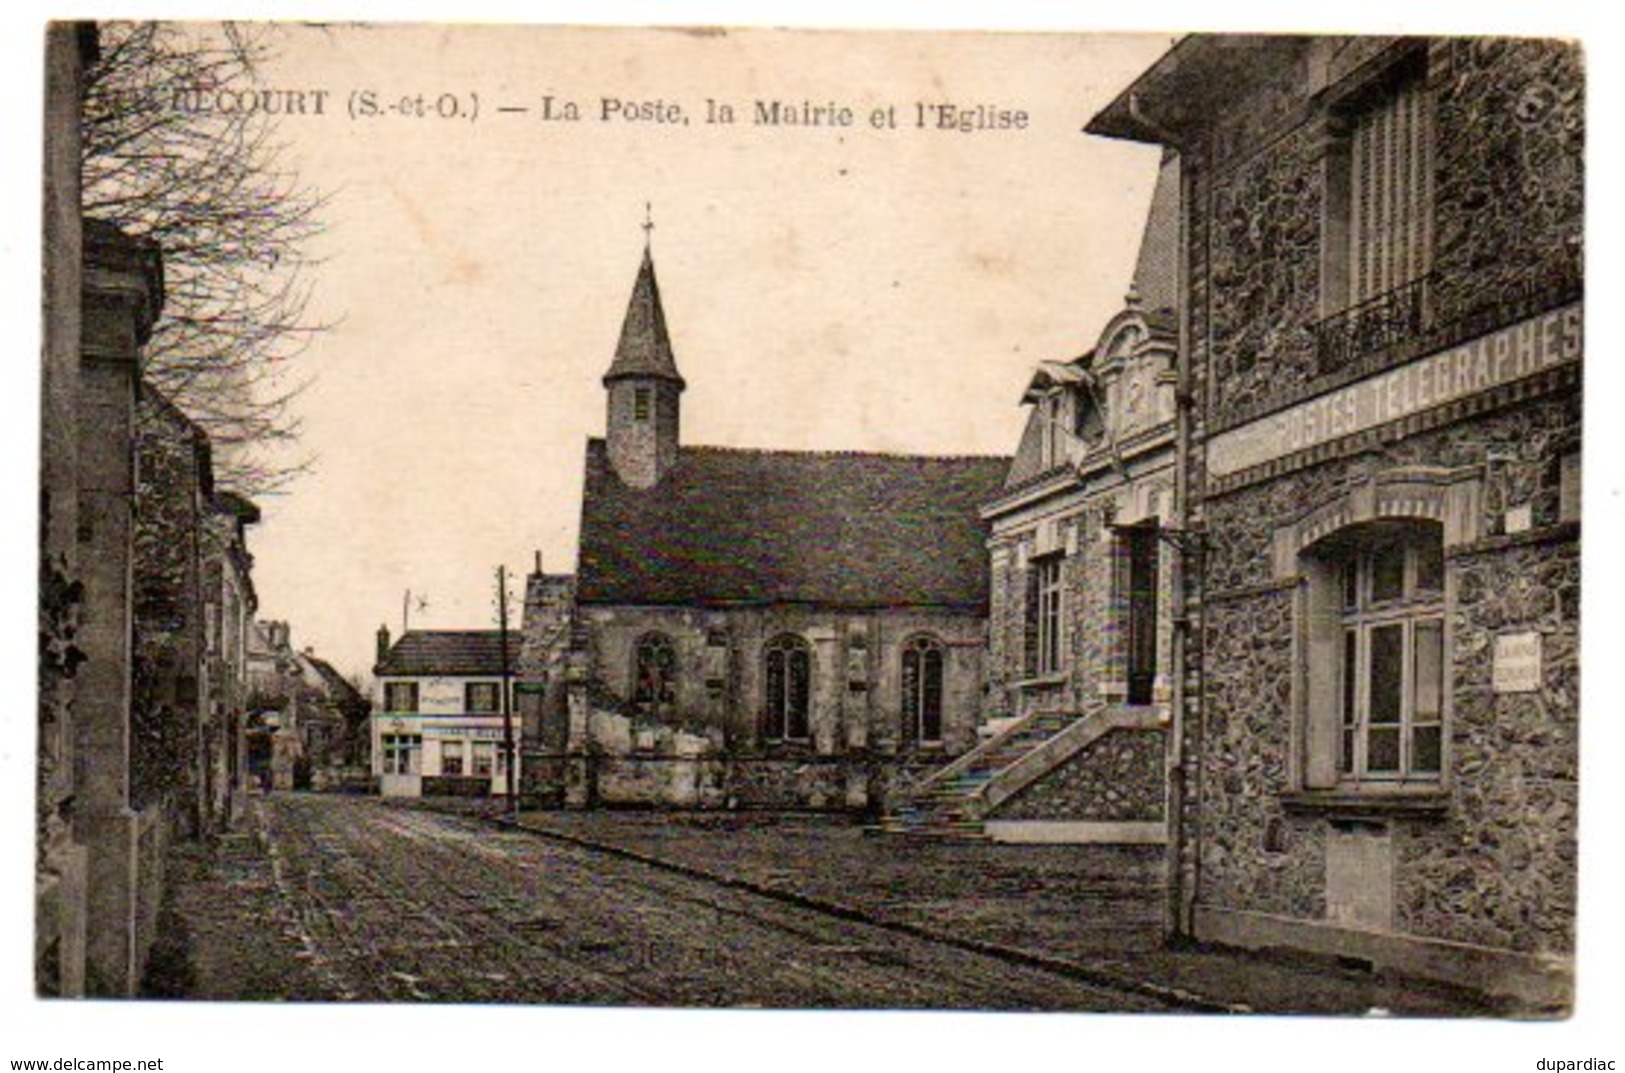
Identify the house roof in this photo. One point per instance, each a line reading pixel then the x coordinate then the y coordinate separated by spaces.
pixel 449 652
pixel 727 526
pixel 1156 270
pixel 645 346
pixel 338 687
pixel 1183 90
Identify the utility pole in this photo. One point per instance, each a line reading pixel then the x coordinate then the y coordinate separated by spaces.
pixel 507 695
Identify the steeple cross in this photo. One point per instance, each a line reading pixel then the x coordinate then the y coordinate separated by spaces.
pixel 648 224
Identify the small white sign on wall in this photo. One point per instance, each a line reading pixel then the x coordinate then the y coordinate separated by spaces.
pixel 1517 662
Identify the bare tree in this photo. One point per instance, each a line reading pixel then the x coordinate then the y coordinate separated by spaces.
pixel 161 159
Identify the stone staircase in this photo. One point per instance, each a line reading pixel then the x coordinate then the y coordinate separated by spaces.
pixel 951 802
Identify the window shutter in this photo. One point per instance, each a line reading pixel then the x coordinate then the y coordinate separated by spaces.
pixel 1391 198
pixel 1029 645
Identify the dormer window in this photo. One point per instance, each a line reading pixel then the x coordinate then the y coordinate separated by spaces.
pixel 1087 423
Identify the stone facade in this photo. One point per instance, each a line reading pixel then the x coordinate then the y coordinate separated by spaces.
pixel 1468 874
pixel 1090 494
pixel 169 712
pixel 709 749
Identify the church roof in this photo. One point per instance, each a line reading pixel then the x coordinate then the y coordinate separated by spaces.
pixel 727 526
pixel 449 652
pixel 645 346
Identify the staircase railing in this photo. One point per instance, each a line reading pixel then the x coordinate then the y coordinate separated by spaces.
pixel 969 760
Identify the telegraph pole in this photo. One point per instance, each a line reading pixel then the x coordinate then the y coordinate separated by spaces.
pixel 507 698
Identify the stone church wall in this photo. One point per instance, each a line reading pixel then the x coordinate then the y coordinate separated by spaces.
pixel 709 750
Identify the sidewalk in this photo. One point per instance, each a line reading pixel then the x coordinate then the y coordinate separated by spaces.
pixel 1095 908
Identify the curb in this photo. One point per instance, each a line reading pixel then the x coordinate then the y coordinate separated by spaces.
pixel 1177 997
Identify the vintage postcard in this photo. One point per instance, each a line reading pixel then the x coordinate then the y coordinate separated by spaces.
pixel 811 519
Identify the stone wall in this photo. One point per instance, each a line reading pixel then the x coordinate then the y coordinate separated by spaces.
pixel 172 461
pixel 1508 217
pixel 856 659
pixel 1496 865
pixel 1117 778
pixel 709 750
pixel 1265 250
pixel 1509 194
pixel 1485 873
pixel 1500 870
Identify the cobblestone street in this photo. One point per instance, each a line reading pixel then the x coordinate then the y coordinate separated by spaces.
pixel 352 899
pixel 325 897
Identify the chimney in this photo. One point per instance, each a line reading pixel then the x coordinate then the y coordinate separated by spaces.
pixel 538 561
pixel 383 643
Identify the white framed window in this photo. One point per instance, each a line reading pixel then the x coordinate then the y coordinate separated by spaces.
pixel 1375 678
pixel 1045 615
pixel 484 758
pixel 1391 661
pixel 402 753
pixel 451 758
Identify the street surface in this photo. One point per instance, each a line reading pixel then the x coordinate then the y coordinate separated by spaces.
pixel 351 898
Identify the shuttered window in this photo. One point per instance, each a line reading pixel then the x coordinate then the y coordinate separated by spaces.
pixel 1390 194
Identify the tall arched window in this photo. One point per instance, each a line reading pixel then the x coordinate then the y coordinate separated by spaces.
pixel 654 674
pixel 788 685
pixel 923 667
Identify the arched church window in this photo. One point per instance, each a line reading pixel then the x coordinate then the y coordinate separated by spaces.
pixel 788 685
pixel 923 671
pixel 654 675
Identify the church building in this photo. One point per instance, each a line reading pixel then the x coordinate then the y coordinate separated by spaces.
pixel 756 628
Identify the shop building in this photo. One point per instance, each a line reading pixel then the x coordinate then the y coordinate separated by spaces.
pixel 440 725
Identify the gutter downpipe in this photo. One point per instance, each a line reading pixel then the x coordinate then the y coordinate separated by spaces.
pixel 1180 909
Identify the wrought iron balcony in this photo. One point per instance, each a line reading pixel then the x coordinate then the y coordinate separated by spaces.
pixel 1375 324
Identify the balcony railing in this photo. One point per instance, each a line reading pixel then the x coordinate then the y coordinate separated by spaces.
pixel 1375 324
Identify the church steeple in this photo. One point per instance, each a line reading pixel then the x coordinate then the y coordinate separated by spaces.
pixel 643 386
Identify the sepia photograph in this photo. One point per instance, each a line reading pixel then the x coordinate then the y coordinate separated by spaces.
pixel 536 517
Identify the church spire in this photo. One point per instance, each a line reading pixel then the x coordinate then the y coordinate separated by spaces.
pixel 645 346
pixel 643 384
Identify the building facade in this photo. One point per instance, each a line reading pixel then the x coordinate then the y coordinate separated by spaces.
pixel 1382 240
pixel 438 724
pixel 172 737
pixel 763 628
pixel 1079 637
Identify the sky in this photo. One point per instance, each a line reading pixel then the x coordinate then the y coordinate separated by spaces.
pixel 826 287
